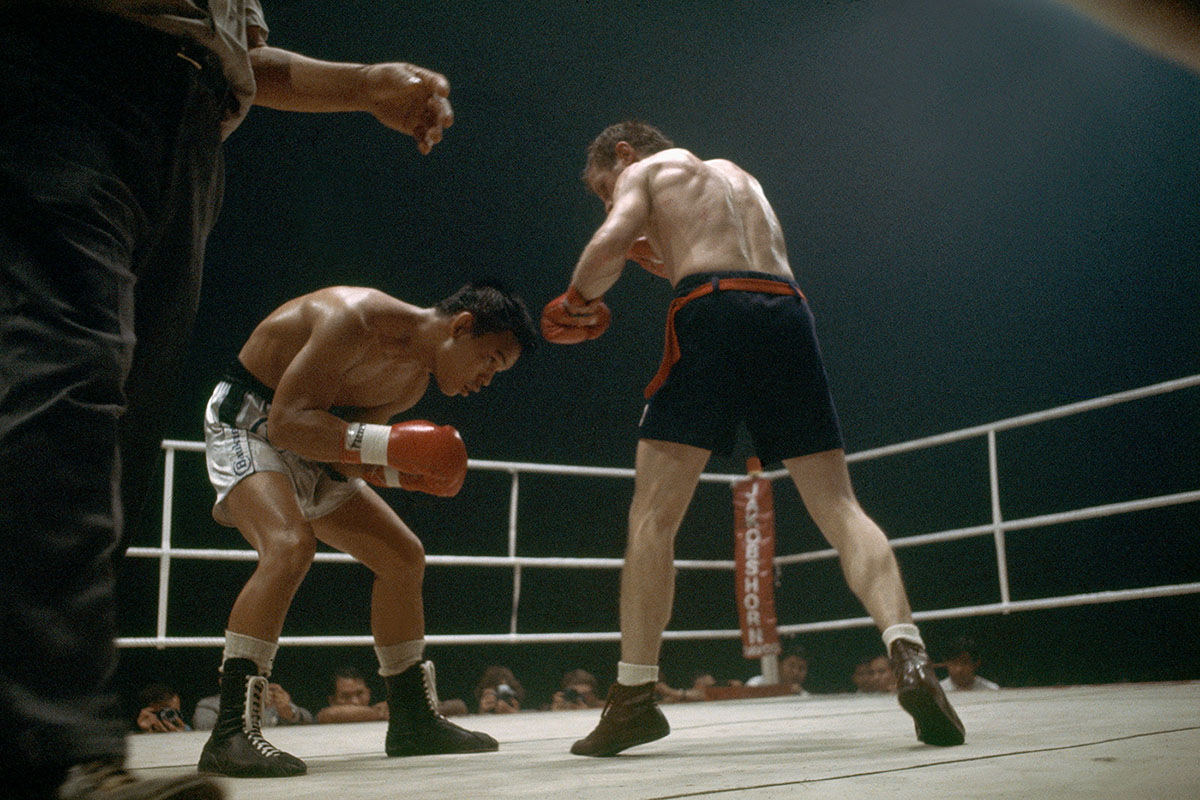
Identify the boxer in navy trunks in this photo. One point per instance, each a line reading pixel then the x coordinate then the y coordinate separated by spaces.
pixel 731 370
pixel 740 347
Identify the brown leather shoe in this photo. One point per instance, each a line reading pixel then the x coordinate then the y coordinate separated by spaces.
pixel 630 718
pixel 922 697
pixel 107 780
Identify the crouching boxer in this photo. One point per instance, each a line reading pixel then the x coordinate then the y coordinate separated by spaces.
pixel 740 347
pixel 294 432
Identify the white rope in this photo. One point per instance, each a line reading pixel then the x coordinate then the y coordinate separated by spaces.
pixel 165 553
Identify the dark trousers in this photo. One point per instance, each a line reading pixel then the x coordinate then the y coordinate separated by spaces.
pixel 110 180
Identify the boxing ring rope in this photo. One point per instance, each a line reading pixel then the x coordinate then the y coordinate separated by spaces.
pixel 997 528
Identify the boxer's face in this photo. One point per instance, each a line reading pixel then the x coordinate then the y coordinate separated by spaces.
pixel 602 181
pixel 467 362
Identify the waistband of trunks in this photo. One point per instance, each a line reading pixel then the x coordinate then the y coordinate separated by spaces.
pixel 245 383
pixel 689 282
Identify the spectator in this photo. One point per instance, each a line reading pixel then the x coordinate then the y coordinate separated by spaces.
pixel 579 689
pixel 883 679
pixel 279 710
pixel 701 680
pixel 350 699
pixel 863 678
pixel 160 710
pixel 498 691
pixel 962 665
pixel 793 670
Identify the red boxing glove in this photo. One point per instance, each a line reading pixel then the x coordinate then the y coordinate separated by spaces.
pixel 570 319
pixel 416 455
pixel 642 253
pixel 387 477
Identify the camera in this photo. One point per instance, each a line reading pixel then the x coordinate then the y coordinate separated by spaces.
pixel 169 716
pixel 570 695
pixel 505 692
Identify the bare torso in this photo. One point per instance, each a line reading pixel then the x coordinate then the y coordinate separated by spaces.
pixel 340 346
pixel 708 216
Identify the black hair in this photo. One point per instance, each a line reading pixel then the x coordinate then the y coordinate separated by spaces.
pixel 645 139
pixel 344 673
pixel 963 645
pixel 793 649
pixel 495 308
pixel 155 693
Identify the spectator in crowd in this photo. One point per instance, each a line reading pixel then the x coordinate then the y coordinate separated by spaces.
pixel 793 670
pixel 701 680
pixel 159 710
pixel 278 710
pixel 498 691
pixel 349 699
pixel 873 676
pixel 862 678
pixel 883 679
pixel 962 665
pixel 579 689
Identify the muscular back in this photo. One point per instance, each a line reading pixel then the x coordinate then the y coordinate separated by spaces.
pixel 710 215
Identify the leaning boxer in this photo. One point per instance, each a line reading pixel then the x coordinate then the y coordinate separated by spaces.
pixel 740 346
pixel 295 431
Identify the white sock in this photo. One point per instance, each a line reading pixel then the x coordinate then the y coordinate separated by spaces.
pixel 395 658
pixel 636 674
pixel 906 631
pixel 261 652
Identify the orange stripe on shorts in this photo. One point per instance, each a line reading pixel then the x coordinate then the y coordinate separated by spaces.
pixel 671 346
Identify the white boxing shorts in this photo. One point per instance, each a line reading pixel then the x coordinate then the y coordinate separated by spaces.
pixel 236 445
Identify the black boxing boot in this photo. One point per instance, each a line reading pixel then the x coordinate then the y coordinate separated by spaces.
pixel 922 697
pixel 415 728
pixel 630 718
pixel 237 747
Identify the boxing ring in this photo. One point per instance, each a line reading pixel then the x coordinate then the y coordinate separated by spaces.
pixel 1078 743
pixel 1087 742
pixel 165 553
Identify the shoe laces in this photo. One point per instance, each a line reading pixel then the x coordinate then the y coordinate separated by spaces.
pixel 429 683
pixel 256 688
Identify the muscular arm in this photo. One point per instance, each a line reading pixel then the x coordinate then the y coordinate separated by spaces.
pixel 402 96
pixel 299 419
pixel 604 256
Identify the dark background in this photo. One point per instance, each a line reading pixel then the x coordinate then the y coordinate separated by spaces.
pixel 993 207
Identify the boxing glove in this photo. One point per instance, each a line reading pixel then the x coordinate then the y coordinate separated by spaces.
pixel 387 477
pixel 570 319
pixel 425 457
pixel 644 256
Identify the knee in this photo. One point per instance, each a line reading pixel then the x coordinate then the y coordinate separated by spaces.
pixel 288 553
pixel 404 562
pixel 650 529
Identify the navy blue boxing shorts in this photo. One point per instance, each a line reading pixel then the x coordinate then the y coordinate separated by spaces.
pixel 742 346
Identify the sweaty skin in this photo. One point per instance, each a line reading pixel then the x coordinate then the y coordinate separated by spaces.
pixel 698 216
pixel 356 347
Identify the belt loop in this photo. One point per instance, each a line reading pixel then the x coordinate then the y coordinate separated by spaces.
pixel 716 284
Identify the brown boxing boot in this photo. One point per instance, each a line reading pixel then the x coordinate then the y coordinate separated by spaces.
pixel 922 697
pixel 630 718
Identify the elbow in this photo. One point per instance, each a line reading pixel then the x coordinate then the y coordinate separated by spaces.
pixel 282 433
